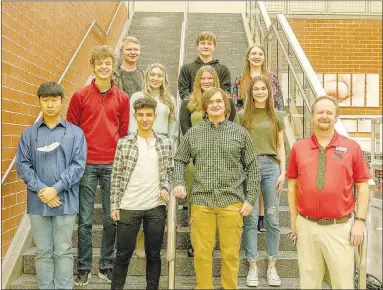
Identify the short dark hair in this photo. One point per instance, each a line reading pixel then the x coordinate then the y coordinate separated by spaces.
pixel 144 103
pixel 50 89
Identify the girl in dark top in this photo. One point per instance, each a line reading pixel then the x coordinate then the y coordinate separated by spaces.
pixel 190 111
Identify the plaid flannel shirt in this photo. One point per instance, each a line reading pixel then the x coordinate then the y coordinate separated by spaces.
pixel 223 157
pixel 125 161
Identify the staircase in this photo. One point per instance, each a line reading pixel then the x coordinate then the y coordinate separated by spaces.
pixel 160 37
pixel 159 34
pixel 287 264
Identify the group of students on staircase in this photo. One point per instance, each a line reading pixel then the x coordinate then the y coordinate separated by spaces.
pixel 119 133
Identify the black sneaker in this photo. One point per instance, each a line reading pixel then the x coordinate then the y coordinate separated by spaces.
pixel 82 278
pixel 190 251
pixel 261 226
pixel 106 274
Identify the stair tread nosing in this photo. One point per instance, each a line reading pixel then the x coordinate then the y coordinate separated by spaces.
pixel 29 281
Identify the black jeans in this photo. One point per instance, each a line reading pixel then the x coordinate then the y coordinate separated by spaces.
pixel 127 230
pixel 88 185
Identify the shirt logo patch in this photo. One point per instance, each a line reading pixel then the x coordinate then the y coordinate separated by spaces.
pixel 338 156
pixel 340 148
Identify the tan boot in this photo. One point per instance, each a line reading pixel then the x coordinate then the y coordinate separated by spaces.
pixel 140 246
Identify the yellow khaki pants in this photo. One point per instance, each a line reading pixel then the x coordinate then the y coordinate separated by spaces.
pixel 328 244
pixel 204 224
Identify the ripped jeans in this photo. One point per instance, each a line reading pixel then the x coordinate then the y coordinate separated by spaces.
pixel 270 172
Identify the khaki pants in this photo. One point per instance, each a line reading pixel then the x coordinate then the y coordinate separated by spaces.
pixel 329 244
pixel 204 224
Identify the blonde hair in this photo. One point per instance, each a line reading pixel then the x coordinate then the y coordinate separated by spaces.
pixel 165 94
pixel 206 36
pixel 127 40
pixel 206 96
pixel 102 52
pixel 249 108
pixel 245 78
pixel 196 96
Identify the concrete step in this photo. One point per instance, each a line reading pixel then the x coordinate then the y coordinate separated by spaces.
pixel 149 49
pixel 28 281
pixel 155 21
pixel 221 45
pixel 234 17
pixel 183 238
pixel 165 58
pixel 287 265
pixel 215 28
pixel 193 34
pixel 164 15
pixel 159 30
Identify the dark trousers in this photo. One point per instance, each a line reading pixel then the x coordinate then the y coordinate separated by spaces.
pixel 127 230
pixel 93 175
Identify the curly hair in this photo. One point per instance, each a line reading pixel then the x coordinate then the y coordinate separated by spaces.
pixel 102 52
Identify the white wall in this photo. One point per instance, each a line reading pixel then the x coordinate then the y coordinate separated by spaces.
pixel 194 6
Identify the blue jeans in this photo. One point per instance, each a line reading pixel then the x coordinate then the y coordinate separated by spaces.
pixel 270 172
pixel 127 230
pixel 88 185
pixel 52 236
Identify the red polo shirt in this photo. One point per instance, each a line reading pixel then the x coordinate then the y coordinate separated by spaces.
pixel 345 166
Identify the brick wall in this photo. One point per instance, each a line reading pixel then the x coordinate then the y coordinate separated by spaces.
pixel 38 40
pixel 343 46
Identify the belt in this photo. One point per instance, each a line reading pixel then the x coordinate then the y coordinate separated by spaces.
pixel 326 222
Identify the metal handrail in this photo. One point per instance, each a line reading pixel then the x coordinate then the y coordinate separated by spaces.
pixel 305 64
pixel 172 208
pixel 318 90
pixel 94 24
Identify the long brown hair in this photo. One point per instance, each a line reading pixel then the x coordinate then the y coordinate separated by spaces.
pixel 196 97
pixel 249 108
pixel 165 94
pixel 245 77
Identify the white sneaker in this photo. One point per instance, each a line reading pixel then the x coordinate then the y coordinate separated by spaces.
pixel 272 277
pixel 252 277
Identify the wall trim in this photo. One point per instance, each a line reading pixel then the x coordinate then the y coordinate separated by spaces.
pixel 12 265
pixel 330 16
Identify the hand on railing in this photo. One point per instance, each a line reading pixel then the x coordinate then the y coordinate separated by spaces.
pixel 179 191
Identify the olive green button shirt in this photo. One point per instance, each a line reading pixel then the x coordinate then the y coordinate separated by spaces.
pixel 223 156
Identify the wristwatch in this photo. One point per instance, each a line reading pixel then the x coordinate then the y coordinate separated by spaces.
pixel 360 219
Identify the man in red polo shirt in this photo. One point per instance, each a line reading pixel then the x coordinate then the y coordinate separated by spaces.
pixel 321 174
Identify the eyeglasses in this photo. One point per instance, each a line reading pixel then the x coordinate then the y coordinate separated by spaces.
pixel 50 147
